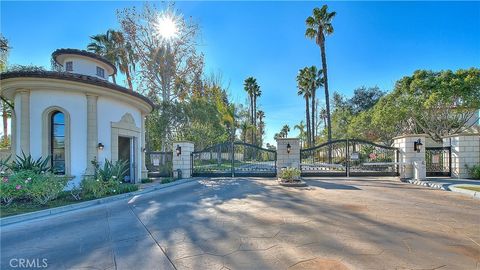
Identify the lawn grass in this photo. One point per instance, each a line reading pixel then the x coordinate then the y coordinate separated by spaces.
pixel 65 198
pixel 477 188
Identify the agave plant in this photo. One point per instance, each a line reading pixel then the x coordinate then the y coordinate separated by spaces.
pixel 110 169
pixel 25 162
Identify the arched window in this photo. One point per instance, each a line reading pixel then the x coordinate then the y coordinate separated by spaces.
pixel 57 135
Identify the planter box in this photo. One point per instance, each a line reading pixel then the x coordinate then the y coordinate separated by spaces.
pixel 294 183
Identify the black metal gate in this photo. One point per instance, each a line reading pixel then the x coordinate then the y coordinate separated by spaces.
pixel 234 159
pixel 159 164
pixel 438 161
pixel 349 158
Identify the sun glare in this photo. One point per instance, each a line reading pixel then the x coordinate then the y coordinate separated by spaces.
pixel 167 27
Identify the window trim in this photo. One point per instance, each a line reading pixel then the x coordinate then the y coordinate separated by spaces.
pixel 102 71
pixel 47 138
pixel 52 140
pixel 71 66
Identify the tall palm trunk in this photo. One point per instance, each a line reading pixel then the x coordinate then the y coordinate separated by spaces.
pixel 313 116
pixel 129 79
pixel 251 116
pixel 5 122
pixel 327 95
pixel 307 116
pixel 255 119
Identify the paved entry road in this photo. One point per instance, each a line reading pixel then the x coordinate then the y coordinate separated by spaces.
pixel 363 223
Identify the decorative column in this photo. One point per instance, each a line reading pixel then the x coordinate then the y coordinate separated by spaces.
pixel 24 122
pixel 288 156
pixel 409 157
pixel 144 167
pixel 182 158
pixel 465 152
pixel 92 132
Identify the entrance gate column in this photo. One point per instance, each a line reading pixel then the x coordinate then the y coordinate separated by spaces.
pixel 465 152
pixel 182 158
pixel 288 157
pixel 408 156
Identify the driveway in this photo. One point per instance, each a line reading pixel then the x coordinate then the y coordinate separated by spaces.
pixel 357 223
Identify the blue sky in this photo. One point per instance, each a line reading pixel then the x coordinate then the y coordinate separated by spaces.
pixel 375 43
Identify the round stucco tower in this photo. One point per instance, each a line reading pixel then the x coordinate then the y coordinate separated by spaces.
pixel 76 115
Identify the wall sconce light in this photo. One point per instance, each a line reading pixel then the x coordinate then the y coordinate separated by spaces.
pixel 144 150
pixel 289 147
pixel 417 145
pixel 100 146
pixel 178 150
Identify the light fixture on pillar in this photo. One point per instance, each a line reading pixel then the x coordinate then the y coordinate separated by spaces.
pixel 100 146
pixel 178 150
pixel 417 145
pixel 289 147
pixel 144 150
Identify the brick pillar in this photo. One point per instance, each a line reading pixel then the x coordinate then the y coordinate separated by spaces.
pixel 92 132
pixel 465 152
pixel 407 154
pixel 184 160
pixel 285 159
pixel 24 122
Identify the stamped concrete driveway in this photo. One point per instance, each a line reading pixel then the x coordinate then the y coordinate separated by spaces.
pixel 363 223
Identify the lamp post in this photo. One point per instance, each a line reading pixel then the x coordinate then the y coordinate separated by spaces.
pixel 417 145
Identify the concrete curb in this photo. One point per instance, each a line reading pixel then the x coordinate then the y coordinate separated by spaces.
pixel 453 188
pixel 474 194
pixel 76 206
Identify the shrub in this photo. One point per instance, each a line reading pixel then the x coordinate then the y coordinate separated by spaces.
pixel 100 188
pixel 474 171
pixel 46 187
pixel 146 180
pixel 116 170
pixel 14 186
pixel 27 163
pixel 290 174
pixel 166 180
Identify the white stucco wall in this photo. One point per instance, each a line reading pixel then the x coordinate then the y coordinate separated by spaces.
pixel 86 66
pixel 76 105
pixel 110 110
pixel 18 110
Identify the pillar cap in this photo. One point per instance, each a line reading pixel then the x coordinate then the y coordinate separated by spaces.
pixel 410 136
pixel 461 134
pixel 288 139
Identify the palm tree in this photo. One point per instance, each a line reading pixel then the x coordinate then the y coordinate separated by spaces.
pixel 301 127
pixel 261 125
pixel 313 79
pixel 114 47
pixel 245 127
pixel 285 130
pixel 304 90
pixel 323 116
pixel 251 87
pixel 320 25
pixel 256 93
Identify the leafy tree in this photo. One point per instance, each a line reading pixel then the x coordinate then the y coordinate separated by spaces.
pixel 320 25
pixel 6 110
pixel 113 46
pixel 365 98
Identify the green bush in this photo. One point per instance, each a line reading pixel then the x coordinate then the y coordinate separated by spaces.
pixel 166 180
pixel 115 170
pixel 27 163
pixel 474 171
pixel 46 187
pixel 290 174
pixel 99 188
pixel 146 180
pixel 30 185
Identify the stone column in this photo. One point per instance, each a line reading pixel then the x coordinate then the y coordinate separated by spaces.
pixel 184 160
pixel 92 132
pixel 24 122
pixel 407 154
pixel 465 152
pixel 144 167
pixel 285 159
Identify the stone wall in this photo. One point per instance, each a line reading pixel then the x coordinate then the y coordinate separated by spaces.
pixel 408 156
pixel 285 159
pixel 184 160
pixel 465 152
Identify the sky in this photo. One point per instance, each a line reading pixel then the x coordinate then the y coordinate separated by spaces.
pixel 373 44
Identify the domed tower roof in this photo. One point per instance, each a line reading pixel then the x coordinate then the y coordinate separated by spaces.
pixel 83 62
